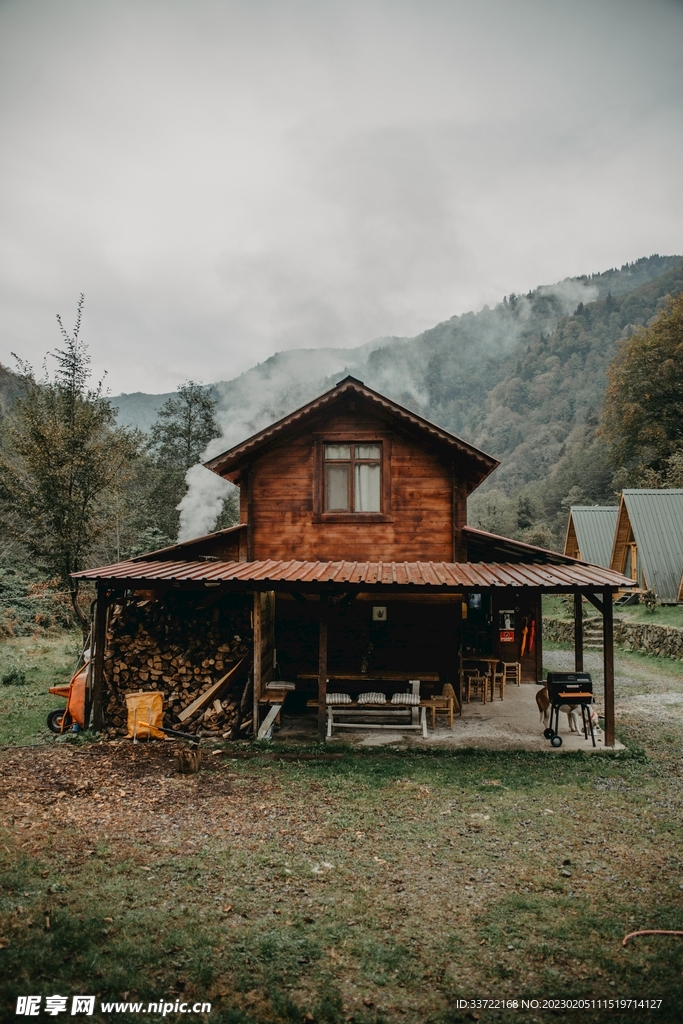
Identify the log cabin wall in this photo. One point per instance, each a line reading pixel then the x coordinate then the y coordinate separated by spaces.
pixel 423 499
pixel 416 638
pixel 527 608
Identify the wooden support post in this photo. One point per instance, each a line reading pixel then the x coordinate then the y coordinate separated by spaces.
pixel 257 618
pixel 322 666
pixel 578 632
pixel 608 664
pixel 538 611
pixel 97 641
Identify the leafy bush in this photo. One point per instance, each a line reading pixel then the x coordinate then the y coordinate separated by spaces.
pixel 14 677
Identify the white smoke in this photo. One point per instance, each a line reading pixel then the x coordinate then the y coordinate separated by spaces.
pixel 287 380
pixel 203 503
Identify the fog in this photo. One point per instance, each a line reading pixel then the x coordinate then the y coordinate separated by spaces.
pixel 224 180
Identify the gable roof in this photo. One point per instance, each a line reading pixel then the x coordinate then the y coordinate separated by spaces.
pixel 655 519
pixel 593 529
pixel 231 462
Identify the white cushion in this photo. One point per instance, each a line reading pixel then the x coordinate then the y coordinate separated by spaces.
pixel 406 698
pixel 371 698
pixel 338 698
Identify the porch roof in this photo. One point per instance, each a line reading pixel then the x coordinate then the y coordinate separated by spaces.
pixel 428 576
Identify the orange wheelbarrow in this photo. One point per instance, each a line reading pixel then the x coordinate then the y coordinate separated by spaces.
pixel 74 692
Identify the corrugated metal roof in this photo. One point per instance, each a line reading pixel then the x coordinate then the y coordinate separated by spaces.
pixel 595 526
pixel 483 546
pixel 187 545
pixel 441 575
pixel 656 518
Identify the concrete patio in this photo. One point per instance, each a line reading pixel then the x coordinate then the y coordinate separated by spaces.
pixel 509 724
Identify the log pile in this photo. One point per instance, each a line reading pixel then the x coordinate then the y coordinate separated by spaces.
pixel 172 644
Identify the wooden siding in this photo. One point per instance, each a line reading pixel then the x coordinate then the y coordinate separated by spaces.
pixel 527 607
pixel 571 544
pixel 622 539
pixel 423 508
pixel 416 638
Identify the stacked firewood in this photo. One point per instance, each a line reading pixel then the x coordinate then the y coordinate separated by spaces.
pixel 171 644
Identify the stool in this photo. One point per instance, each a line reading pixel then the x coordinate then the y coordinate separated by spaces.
pixel 443 703
pixel 448 691
pixel 477 682
pixel 498 679
pixel 512 670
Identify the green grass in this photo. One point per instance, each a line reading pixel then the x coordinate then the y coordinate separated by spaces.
pixel 379 887
pixel 555 606
pixel 386 870
pixel 43 662
pixel 669 615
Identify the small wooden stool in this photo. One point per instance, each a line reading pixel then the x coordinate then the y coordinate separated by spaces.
pixel 477 682
pixel 512 670
pixel 498 680
pixel 436 704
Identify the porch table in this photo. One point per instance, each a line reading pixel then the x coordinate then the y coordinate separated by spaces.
pixel 374 677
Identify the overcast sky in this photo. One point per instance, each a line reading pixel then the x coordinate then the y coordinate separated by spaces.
pixel 226 178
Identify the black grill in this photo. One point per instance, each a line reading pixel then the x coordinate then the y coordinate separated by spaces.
pixel 568 682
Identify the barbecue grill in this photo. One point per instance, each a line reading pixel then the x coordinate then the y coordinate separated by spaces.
pixel 576 689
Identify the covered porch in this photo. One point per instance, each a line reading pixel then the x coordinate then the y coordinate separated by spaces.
pixel 349 627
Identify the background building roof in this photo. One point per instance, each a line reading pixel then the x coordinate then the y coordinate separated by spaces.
pixel 594 526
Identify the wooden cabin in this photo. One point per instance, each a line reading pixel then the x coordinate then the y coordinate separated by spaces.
pixel 648 541
pixel 353 546
pixel 590 533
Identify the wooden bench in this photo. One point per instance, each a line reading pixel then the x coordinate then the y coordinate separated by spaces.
pixel 274 698
pixel 341 711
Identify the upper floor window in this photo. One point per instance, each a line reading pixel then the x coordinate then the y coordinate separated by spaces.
pixel 353 477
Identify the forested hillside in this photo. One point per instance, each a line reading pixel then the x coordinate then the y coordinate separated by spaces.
pixel 524 381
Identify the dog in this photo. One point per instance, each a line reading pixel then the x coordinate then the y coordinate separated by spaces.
pixel 543 702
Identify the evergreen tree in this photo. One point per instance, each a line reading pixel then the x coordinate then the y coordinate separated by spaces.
pixel 185 424
pixel 64 464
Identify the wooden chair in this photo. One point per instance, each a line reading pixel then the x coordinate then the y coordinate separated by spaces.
pixel 512 671
pixel 448 691
pixel 498 680
pixel 478 683
pixel 447 704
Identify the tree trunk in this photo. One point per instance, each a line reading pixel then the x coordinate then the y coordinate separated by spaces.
pixel 81 617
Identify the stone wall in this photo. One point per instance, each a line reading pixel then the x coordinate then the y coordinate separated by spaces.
pixel 646 637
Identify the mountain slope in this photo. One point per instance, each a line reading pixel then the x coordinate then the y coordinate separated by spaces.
pixel 520 380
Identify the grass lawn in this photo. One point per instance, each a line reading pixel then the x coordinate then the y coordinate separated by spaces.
pixel 42 662
pixel 384 885
pixel 555 606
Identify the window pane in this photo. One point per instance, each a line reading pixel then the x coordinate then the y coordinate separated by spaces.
pixel 337 451
pixel 367 451
pixel 366 487
pixel 337 488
